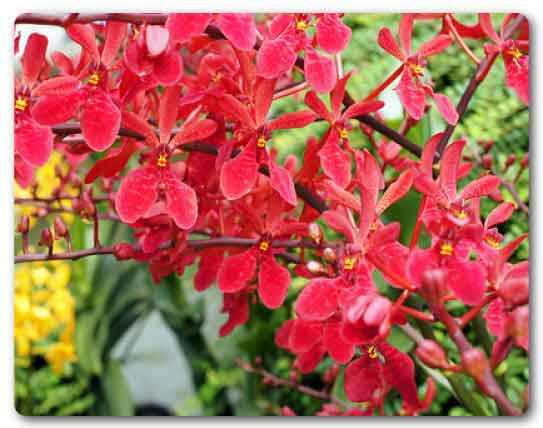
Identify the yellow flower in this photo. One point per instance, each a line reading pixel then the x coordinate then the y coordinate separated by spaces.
pixel 59 354
pixel 60 277
pixel 44 314
pixel 40 275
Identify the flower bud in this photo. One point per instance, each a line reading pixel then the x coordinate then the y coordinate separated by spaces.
pixel 315 232
pixel 511 159
pixel 433 286
pixel 432 354
pixel 329 255
pixel 487 161
pixel 123 251
pixel 315 267
pixel 518 325
pixel 24 224
pixel 525 161
pixel 46 238
pixel 60 228
pixel 487 145
pixel 475 363
pixel 515 291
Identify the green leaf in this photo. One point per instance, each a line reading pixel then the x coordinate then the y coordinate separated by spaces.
pixel 116 391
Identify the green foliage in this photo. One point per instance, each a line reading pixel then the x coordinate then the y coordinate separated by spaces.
pixel 42 392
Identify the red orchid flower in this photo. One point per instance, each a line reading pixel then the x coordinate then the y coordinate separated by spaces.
pixel 310 341
pixel 371 239
pixel 238 270
pixel 61 97
pixel 33 142
pixel 238 175
pixel 157 187
pixel 514 54
pixel 489 245
pixel 507 316
pixel 465 278
pixel 238 28
pixel 411 89
pixel 446 207
pixel 150 52
pixel 380 369
pixel 287 37
pixel 335 163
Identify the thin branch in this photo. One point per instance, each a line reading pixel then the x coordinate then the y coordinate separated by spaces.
pixel 312 199
pixel 197 244
pixel 276 381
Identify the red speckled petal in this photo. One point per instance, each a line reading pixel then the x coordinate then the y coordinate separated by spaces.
pixel 33 142
pixel 100 121
pixel 236 271
pixel 181 201
pixel 238 175
pixel 273 282
pixel 137 193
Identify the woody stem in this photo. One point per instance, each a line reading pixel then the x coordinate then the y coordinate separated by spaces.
pixel 274 380
pixel 197 244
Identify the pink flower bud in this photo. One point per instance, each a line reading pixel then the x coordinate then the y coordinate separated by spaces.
pixel 515 291
pixel 24 224
pixel 60 228
pixel 329 255
pixel 475 363
pixel 432 354
pixel 46 238
pixel 518 325
pixel 434 285
pixel 315 267
pixel 315 232
pixel 511 159
pixel 123 251
pixel 525 161
pixel 487 161
pixel 377 311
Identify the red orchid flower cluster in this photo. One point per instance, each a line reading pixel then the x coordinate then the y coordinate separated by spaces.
pixel 173 118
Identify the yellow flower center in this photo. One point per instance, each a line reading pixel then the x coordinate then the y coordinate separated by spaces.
pixel 261 142
pixel 343 133
pixel 349 263
pixel 94 79
pixel 217 77
pixel 21 104
pixel 493 242
pixel 374 226
pixel 264 246
pixel 515 53
pixel 162 160
pixel 372 352
pixel 301 25
pixel 417 69
pixel 446 249
pixel 459 214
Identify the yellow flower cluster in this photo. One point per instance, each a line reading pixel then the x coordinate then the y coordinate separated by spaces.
pixel 44 314
pixel 47 182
